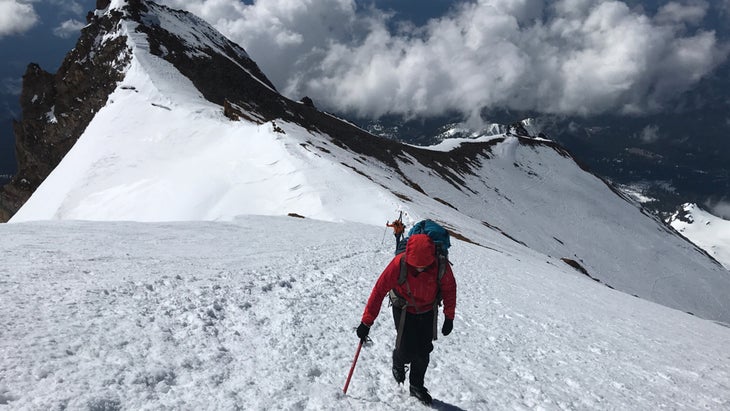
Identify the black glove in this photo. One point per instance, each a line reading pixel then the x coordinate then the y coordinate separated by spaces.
pixel 363 331
pixel 448 326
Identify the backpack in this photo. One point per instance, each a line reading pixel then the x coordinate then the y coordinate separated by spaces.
pixel 442 240
pixel 438 235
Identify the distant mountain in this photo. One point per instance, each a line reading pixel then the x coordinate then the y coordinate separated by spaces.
pixel 671 158
pixel 191 130
pixel 428 132
pixel 709 232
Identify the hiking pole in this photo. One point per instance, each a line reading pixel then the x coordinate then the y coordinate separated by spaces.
pixel 349 376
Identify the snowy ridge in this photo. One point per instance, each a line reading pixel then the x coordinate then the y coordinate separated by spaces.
pixel 462 132
pixel 198 35
pixel 709 232
pixel 259 313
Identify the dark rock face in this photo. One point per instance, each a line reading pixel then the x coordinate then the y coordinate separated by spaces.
pixel 683 214
pixel 517 129
pixel 57 108
pixel 307 101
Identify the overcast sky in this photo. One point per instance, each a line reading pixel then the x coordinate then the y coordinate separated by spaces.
pixel 419 58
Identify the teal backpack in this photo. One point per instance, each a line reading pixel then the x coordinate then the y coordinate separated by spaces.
pixel 437 232
pixel 440 238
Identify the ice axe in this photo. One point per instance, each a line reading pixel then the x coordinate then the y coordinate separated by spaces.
pixel 349 376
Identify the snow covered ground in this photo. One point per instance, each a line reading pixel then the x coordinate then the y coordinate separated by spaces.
pixel 259 313
pixel 709 232
pixel 235 311
pixel 158 151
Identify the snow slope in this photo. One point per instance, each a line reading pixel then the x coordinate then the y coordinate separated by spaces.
pixel 709 232
pixel 159 151
pixel 259 314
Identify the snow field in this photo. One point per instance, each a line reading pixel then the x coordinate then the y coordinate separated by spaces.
pixel 260 313
pixel 709 232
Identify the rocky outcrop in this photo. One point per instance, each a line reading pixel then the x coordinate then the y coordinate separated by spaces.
pixel 57 108
pixel 683 214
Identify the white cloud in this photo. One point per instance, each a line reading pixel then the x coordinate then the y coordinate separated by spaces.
pixel 566 56
pixel 12 86
pixel 675 12
pixel 68 28
pixel 720 208
pixel 72 7
pixel 650 134
pixel 16 17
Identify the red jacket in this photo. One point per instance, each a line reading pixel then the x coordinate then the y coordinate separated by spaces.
pixel 423 286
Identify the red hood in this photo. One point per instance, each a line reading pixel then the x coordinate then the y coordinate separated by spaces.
pixel 420 251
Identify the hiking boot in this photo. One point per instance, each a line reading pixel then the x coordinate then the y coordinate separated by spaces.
pixel 399 373
pixel 422 394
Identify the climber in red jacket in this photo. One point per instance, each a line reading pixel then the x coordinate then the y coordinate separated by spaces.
pixel 415 306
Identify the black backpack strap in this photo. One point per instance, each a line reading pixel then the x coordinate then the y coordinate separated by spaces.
pixel 442 261
pixel 403 270
pixel 401 326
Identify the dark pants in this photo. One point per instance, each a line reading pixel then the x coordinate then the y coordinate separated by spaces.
pixel 415 345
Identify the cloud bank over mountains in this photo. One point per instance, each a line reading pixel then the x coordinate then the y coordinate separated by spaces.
pixel 562 57
pixel 567 57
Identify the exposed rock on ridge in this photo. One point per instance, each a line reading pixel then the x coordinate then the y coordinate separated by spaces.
pixel 58 107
